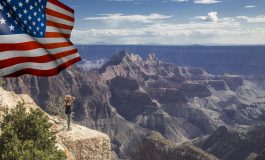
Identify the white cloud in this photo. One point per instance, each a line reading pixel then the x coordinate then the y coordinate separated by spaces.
pixel 178 0
pixel 206 1
pixel 211 17
pixel 118 17
pixel 154 29
pixel 221 32
pixel 257 19
pixel 250 6
pixel 121 0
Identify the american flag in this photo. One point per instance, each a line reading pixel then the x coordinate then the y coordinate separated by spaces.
pixel 35 37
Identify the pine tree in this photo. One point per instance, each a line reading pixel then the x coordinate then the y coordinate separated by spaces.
pixel 27 136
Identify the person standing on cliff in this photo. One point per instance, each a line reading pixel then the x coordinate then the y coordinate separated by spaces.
pixel 68 100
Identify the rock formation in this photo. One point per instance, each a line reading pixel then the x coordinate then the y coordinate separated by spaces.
pixel 156 147
pixel 80 143
pixel 129 97
pixel 228 144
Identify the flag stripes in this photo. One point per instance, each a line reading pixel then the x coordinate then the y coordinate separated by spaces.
pixel 23 54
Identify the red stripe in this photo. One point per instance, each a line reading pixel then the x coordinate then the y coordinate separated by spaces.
pixel 56 35
pixel 59 15
pixel 31 45
pixel 45 73
pixel 40 59
pixel 59 25
pixel 60 4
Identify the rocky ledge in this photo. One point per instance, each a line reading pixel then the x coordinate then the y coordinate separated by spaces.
pixel 80 143
pixel 156 147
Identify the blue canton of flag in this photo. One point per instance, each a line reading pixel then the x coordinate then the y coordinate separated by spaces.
pixel 23 16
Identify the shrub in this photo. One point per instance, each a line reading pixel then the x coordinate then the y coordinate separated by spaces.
pixel 28 136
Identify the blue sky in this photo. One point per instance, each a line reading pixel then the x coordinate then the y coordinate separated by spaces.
pixel 169 22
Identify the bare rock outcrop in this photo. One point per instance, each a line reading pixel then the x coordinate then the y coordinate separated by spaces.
pixel 80 143
pixel 228 144
pixel 156 147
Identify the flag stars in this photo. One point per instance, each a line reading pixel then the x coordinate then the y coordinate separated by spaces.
pixel 20 4
pixel 14 8
pixel 8 15
pixel 11 27
pixel 23 16
pixel 2 21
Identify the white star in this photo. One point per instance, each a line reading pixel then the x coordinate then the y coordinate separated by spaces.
pixel 39 10
pixel 14 8
pixel 41 33
pixel 34 23
pixel 27 1
pixel 25 22
pixel 35 13
pixel 42 24
pixel 30 27
pixel 20 4
pixel 36 4
pixel 8 15
pixel 19 15
pixel 2 21
pixel 38 28
pixel 25 11
pixel 9 1
pixel 38 19
pixel 29 17
pixel 34 33
pixel 1 7
pixel 11 27
pixel 31 7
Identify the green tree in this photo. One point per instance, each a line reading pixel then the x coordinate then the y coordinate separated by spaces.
pixel 27 136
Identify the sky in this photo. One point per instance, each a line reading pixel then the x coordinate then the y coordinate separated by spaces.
pixel 169 22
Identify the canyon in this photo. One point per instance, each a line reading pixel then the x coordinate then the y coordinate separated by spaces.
pixel 143 102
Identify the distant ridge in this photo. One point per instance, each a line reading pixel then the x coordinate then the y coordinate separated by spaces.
pixel 242 60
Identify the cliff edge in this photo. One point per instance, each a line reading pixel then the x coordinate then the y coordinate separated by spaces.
pixel 80 143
